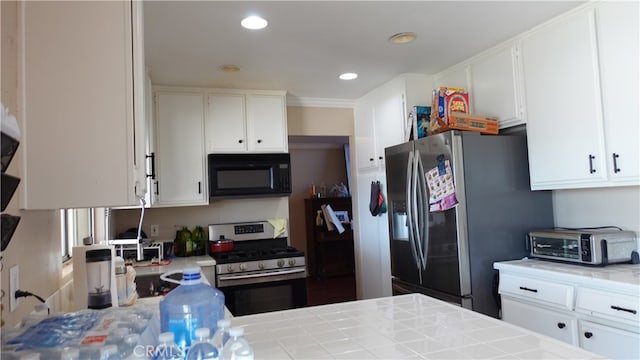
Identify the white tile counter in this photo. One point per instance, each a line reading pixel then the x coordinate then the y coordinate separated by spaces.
pixel 410 326
pixel 623 278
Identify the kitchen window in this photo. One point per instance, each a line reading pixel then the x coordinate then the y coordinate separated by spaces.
pixel 75 224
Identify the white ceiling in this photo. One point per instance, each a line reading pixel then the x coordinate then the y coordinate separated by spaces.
pixel 309 43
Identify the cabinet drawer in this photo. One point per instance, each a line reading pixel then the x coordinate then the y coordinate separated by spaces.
pixel 537 290
pixel 557 325
pixel 610 342
pixel 600 303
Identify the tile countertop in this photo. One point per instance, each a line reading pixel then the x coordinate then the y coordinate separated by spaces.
pixel 412 326
pixel 624 278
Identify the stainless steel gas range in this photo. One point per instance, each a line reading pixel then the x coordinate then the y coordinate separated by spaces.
pixel 261 273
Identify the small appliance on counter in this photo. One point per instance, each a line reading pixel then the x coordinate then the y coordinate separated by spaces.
pixel 598 247
pixel 94 281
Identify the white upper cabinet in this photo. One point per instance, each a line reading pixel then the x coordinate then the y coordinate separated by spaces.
pixel 564 114
pixel 456 76
pixel 496 86
pixel 245 121
pixel 180 157
pixel 81 131
pixel 581 89
pixel 493 79
pixel 267 123
pixel 618 47
pixel 226 129
pixel 381 115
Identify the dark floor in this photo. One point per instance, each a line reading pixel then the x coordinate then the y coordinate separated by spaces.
pixel 331 290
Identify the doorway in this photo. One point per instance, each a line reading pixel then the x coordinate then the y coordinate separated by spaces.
pixel 324 162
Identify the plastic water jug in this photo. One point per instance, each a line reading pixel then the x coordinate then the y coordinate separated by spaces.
pixel 190 306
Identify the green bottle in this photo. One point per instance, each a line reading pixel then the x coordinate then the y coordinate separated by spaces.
pixel 199 241
pixel 186 242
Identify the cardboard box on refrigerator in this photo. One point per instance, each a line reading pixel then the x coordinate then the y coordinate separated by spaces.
pixel 462 121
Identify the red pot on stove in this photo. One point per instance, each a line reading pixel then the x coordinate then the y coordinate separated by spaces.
pixel 222 245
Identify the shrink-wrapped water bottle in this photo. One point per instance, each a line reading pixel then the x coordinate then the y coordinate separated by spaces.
pixel 237 348
pixel 222 334
pixel 167 348
pixel 202 348
pixel 190 306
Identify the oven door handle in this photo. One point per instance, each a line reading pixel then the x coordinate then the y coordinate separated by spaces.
pixel 250 276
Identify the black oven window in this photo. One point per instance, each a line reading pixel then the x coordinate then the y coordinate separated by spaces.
pixel 244 179
pixel 257 300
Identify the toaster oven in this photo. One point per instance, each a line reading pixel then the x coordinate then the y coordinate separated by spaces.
pixel 592 247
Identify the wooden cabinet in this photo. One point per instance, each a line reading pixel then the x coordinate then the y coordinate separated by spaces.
pixel 81 86
pixel 180 156
pixel 328 252
pixel 242 121
pixel 581 88
pixel 597 309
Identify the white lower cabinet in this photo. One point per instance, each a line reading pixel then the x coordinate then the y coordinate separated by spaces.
pixel 558 325
pixel 575 304
pixel 608 341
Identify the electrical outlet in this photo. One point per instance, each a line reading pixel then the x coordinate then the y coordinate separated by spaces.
pixel 155 230
pixel 14 284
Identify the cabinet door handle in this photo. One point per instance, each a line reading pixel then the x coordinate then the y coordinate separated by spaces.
pixel 259 141
pixel 527 289
pixel 623 309
pixel 157 187
pixel 199 187
pixel 370 159
pixel 561 325
pixel 591 169
pixel 153 165
pixel 588 334
pixel 240 141
pixel 379 157
pixel 616 169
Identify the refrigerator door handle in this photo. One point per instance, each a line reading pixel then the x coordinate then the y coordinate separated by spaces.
pixel 423 203
pixel 409 204
pixel 414 208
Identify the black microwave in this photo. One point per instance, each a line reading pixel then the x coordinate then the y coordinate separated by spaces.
pixel 249 175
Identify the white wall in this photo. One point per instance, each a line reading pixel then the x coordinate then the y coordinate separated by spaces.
pixel 616 206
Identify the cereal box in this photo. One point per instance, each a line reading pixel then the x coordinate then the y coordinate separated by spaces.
pixel 449 99
pixel 420 117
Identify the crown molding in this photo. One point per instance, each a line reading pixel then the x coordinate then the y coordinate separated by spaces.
pixel 319 102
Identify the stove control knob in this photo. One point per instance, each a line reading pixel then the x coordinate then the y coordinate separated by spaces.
pixel 261 265
pixel 280 263
pixel 230 268
pixel 292 262
pixel 243 267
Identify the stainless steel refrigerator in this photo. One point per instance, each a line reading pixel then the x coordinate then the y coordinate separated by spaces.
pixel 447 250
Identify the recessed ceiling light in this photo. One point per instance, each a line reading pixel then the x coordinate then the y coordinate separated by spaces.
pixel 254 23
pixel 348 76
pixel 403 38
pixel 229 68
